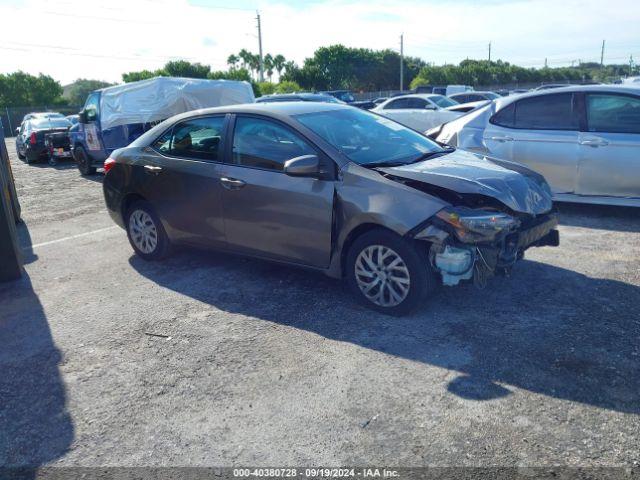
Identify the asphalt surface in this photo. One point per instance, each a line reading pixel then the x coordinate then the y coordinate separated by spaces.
pixel 210 359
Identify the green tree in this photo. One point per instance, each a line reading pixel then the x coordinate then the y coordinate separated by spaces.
pixel 22 89
pixel 182 68
pixel 142 75
pixel 79 90
pixel 288 87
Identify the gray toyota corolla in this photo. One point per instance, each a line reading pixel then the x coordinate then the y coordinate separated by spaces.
pixel 329 187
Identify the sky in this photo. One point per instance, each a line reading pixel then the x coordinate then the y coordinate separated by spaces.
pixel 71 39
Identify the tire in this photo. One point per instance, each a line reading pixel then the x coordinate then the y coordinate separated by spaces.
pixel 32 157
pixel 83 161
pixel 142 213
pixel 20 156
pixel 411 280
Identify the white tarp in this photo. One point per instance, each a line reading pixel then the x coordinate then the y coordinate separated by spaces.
pixel 162 97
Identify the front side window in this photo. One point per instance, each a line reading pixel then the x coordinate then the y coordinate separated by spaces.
pixel 92 107
pixel 547 112
pixel 442 101
pixel 613 113
pixel 260 143
pixel 505 117
pixel 366 138
pixel 418 103
pixel 197 139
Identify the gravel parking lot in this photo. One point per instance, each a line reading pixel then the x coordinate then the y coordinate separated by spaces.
pixel 210 359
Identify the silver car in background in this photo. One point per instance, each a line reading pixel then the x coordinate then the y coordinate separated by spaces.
pixel 419 111
pixel 585 140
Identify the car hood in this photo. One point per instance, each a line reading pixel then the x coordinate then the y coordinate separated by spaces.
pixel 514 185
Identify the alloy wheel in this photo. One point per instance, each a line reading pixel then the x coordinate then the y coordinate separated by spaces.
pixel 382 276
pixel 143 231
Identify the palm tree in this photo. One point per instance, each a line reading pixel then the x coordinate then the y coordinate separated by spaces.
pixel 268 65
pixel 254 63
pixel 244 56
pixel 232 61
pixel 278 64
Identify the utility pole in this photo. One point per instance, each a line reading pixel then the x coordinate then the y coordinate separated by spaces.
pixel 630 65
pixel 402 62
pixel 489 51
pixel 602 55
pixel 545 62
pixel 260 47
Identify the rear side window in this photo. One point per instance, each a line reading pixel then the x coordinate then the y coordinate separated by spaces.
pixel 400 103
pixel 260 143
pixel 613 113
pixel 460 98
pixel 198 139
pixel 547 112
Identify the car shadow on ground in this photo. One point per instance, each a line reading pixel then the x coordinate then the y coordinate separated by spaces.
pixel 35 426
pixel 601 217
pixel 548 330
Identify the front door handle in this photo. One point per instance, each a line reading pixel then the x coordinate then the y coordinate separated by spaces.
pixel 594 142
pixel 501 139
pixel 151 169
pixel 232 183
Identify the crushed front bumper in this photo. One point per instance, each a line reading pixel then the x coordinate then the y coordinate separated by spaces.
pixel 457 261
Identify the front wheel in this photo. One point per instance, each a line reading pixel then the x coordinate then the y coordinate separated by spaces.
pixel 389 273
pixel 145 231
pixel 83 161
pixel 20 155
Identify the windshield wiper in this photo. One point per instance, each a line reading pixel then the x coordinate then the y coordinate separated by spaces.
pixel 383 164
pixel 428 155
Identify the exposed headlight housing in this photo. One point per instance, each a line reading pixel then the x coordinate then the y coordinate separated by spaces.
pixel 472 225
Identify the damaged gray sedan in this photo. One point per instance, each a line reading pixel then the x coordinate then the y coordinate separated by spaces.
pixel 332 188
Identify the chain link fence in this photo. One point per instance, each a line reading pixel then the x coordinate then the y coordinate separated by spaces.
pixel 11 117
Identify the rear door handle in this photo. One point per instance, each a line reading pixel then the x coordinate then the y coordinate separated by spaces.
pixel 594 142
pixel 151 169
pixel 232 183
pixel 501 139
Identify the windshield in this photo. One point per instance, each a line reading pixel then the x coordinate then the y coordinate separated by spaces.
pixel 366 138
pixel 52 122
pixel 442 101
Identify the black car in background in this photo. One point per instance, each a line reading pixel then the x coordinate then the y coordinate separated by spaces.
pixel 343 95
pixel 297 97
pixel 43 137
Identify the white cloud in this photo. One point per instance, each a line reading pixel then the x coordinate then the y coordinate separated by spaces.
pixel 84 38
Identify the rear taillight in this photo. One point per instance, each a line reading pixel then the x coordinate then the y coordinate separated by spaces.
pixel 32 138
pixel 108 164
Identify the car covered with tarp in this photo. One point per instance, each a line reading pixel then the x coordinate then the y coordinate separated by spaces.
pixel 115 116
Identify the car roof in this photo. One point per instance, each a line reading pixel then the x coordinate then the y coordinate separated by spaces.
pixel 471 92
pixel 270 108
pixel 294 95
pixel 504 101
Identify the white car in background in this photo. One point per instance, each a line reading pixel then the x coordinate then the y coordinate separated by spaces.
pixel 419 111
pixel 585 140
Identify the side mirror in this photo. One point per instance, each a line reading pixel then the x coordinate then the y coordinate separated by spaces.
pixel 82 117
pixel 17 131
pixel 428 106
pixel 303 166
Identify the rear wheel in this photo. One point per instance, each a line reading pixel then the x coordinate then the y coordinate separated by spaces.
pixel 32 157
pixel 20 156
pixel 145 231
pixel 83 161
pixel 389 273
